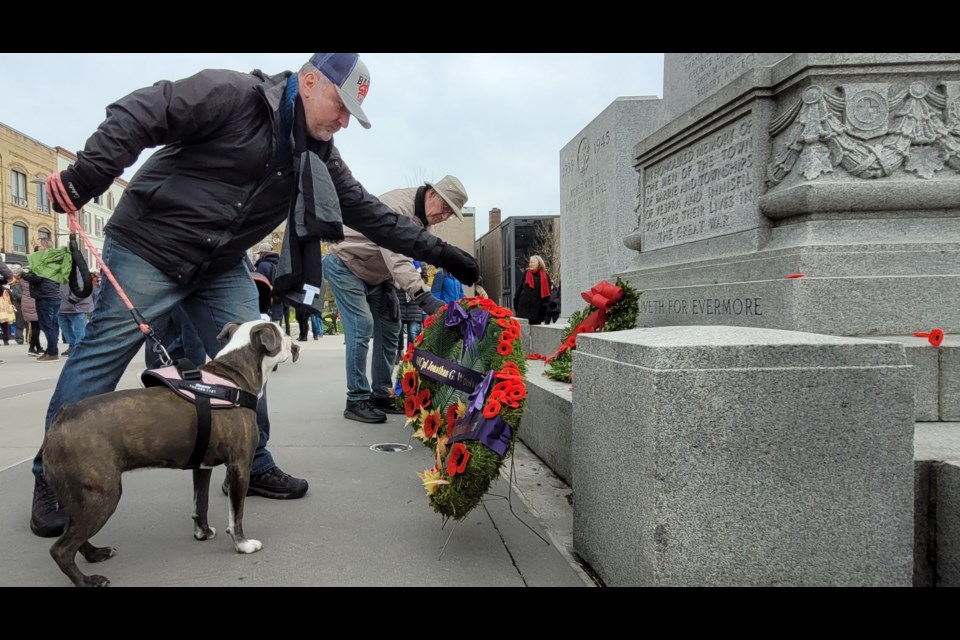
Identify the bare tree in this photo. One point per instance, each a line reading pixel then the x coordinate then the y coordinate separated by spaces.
pixel 419 177
pixel 546 244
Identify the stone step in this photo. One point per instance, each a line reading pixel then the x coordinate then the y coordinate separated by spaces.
pixel 936 369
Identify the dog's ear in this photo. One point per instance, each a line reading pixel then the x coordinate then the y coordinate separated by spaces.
pixel 228 331
pixel 268 336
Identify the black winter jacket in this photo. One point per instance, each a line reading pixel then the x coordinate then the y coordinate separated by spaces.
pixel 527 302
pixel 219 185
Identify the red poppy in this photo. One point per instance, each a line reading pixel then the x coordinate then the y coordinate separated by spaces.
pixel 457 462
pixel 423 399
pixel 510 367
pixel 504 348
pixel 519 392
pixel 501 387
pixel 431 424
pixel 511 378
pixel 418 340
pixel 428 322
pixel 451 416
pixel 410 406
pixel 499 312
pixel 410 382
pixel 491 410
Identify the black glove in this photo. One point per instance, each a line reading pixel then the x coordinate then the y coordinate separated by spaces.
pixel 390 303
pixel 66 185
pixel 429 303
pixel 459 263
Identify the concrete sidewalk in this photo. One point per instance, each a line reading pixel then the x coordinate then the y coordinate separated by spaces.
pixel 365 521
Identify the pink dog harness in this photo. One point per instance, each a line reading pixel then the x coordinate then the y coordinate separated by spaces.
pixel 206 390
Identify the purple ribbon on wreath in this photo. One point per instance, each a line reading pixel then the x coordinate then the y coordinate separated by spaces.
pixel 472 325
pixel 493 433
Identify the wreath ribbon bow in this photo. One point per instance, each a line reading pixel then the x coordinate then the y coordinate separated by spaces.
pixel 473 324
pixel 602 296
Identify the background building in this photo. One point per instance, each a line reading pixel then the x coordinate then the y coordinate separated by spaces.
pixel 504 252
pixel 25 214
pixel 460 233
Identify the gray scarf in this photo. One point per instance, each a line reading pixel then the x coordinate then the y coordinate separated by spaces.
pixel 314 216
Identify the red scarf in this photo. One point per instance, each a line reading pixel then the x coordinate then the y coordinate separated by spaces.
pixel 544 285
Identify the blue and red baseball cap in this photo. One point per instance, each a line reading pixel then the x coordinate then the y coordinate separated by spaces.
pixel 351 77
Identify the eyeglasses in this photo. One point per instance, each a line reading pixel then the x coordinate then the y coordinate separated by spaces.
pixel 445 208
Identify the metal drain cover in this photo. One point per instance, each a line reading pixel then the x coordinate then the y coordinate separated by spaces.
pixel 390 447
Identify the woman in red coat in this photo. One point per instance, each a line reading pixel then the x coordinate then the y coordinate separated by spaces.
pixel 533 292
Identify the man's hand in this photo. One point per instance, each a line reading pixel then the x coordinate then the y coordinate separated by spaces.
pixel 429 303
pixel 460 264
pixel 390 303
pixel 66 193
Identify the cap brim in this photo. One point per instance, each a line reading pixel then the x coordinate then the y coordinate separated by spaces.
pixel 355 110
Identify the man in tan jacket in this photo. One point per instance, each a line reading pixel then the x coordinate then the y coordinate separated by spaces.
pixel 362 276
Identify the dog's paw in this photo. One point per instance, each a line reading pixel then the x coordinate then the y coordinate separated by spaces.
pixel 249 546
pixel 96 581
pixel 91 553
pixel 208 533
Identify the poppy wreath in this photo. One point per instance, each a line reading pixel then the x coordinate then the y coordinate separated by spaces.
pixel 462 387
pixel 609 308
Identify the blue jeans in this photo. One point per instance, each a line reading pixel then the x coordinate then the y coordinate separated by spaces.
pixel 363 318
pixel 112 337
pixel 317 325
pixel 72 326
pixel 47 311
pixel 179 337
pixel 413 330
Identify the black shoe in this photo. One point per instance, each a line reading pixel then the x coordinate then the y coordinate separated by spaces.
pixel 273 484
pixel 363 411
pixel 48 519
pixel 277 485
pixel 387 405
pixel 33 351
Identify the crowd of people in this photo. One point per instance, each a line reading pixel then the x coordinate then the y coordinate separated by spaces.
pixel 63 318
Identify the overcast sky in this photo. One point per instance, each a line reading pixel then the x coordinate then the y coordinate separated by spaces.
pixel 497 121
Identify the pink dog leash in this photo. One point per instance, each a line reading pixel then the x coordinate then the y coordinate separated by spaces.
pixel 57 192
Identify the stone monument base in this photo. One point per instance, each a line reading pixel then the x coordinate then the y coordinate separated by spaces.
pixel 744 457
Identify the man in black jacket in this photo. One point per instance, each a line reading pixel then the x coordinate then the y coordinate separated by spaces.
pixel 241 153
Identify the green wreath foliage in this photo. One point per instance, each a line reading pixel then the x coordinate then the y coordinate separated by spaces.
pixel 457 495
pixel 623 315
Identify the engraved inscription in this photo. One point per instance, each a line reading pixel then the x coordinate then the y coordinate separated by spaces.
pixel 592 183
pixel 710 71
pixel 695 193
pixel 588 194
pixel 703 306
